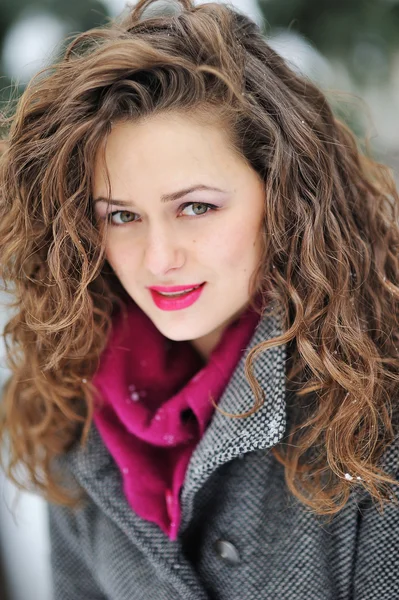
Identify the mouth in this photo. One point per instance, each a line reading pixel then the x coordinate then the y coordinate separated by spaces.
pixel 174 289
pixel 176 297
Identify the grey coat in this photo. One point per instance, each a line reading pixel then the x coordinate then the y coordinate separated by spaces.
pixel 243 535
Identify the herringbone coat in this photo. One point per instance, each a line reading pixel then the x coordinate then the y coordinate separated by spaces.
pixel 243 535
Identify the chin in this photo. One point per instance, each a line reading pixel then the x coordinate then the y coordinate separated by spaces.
pixel 185 332
pixel 180 336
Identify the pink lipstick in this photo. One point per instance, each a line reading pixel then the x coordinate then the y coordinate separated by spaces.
pixel 180 298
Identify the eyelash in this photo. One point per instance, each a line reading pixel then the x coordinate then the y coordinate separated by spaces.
pixel 109 217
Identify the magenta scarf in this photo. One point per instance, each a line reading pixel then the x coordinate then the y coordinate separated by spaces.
pixel 157 406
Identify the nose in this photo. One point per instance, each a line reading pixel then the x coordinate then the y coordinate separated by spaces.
pixel 163 251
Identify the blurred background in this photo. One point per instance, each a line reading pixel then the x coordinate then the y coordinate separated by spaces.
pixel 349 48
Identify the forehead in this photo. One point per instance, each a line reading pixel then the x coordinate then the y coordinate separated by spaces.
pixel 150 138
pixel 167 150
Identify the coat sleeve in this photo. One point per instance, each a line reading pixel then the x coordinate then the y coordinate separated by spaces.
pixel 377 559
pixel 72 577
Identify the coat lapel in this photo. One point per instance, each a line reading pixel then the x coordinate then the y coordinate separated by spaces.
pixel 227 438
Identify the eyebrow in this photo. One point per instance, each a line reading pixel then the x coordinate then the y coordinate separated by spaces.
pixel 164 197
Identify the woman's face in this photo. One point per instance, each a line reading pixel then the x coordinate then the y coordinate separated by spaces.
pixel 163 234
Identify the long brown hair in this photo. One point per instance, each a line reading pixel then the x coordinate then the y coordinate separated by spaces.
pixel 330 256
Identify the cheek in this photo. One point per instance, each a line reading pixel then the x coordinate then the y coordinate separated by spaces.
pixel 239 247
pixel 122 257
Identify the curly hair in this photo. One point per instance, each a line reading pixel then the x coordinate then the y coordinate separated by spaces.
pixel 330 243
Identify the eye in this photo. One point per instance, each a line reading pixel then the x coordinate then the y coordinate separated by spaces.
pixel 123 217
pixel 202 207
pixel 120 217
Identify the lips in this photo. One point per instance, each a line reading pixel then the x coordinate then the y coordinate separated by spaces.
pixel 174 288
pixel 176 302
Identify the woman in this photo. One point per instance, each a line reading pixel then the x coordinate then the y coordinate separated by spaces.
pixel 204 350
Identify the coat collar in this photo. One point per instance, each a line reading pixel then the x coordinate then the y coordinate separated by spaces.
pixel 227 438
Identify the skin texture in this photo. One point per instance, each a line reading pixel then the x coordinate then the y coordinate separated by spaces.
pixel 152 242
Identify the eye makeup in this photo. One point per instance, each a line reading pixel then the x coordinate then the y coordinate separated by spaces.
pixel 112 216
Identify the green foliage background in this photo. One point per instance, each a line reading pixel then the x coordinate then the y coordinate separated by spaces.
pixel 79 14
pixel 338 27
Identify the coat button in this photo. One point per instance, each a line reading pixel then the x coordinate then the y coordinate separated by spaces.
pixel 227 551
